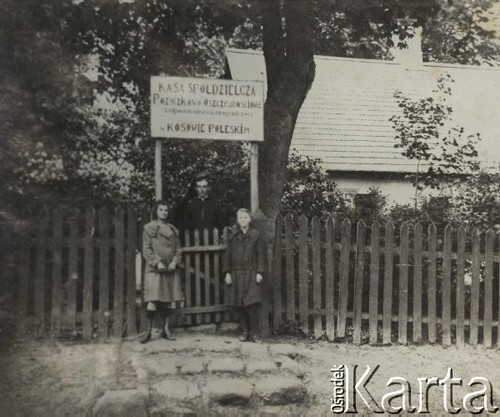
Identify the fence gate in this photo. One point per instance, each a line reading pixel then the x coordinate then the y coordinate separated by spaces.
pixel 77 276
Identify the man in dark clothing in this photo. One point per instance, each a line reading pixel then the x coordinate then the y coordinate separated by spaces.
pixel 202 212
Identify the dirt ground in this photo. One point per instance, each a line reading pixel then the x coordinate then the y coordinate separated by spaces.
pixel 63 379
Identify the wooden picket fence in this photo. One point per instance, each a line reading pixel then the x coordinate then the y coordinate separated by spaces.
pixel 77 275
pixel 386 286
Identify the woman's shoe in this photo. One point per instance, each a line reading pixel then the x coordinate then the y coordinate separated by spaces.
pixel 167 336
pixel 165 329
pixel 255 338
pixel 147 334
pixel 146 338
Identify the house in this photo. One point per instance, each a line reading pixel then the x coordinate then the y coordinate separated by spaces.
pixel 344 120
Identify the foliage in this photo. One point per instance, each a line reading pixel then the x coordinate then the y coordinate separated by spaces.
pixel 425 132
pixel 436 210
pixel 366 29
pixel 476 201
pixel 369 207
pixel 44 102
pixel 468 195
pixel 309 190
pixel 459 34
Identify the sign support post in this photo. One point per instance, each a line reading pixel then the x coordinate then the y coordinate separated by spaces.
pixel 158 182
pixel 254 177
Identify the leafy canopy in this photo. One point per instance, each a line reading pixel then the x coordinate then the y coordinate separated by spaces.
pixel 74 83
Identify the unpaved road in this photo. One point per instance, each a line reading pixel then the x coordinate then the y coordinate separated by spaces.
pixel 62 379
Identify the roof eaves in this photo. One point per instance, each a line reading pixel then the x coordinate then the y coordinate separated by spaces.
pixel 375 61
pixel 460 66
pixel 244 51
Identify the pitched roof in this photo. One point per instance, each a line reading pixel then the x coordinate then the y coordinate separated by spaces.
pixel 344 120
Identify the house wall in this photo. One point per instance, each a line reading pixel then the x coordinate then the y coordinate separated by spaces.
pixel 396 187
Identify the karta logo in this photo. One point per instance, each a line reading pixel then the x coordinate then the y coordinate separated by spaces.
pixel 350 389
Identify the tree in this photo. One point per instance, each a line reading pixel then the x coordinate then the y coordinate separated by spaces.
pixel 85 152
pixel 288 44
pixel 44 102
pixel 288 52
pixel 447 161
pixel 426 132
pixel 458 33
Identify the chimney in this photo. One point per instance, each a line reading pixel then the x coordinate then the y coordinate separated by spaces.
pixel 410 57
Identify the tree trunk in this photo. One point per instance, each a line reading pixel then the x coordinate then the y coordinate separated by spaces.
pixel 288 52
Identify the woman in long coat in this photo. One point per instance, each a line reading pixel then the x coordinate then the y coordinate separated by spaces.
pixel 162 285
pixel 244 265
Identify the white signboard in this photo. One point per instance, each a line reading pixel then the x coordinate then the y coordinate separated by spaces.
pixel 196 108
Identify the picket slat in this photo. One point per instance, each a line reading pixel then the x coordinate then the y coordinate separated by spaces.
pixel 187 276
pixel 460 303
pixel 403 286
pixel 446 290
pixel 216 275
pixel 290 269
pixel 104 278
pixel 277 280
pixel 56 314
pixel 388 276
pixel 73 275
pixel 145 218
pixel 131 277
pixel 417 284
pixel 330 278
pixel 9 265
pixel 119 273
pixel 303 274
pixel 39 301
pixel 22 291
pixel 207 275
pixel 316 270
pixel 358 282
pixel 88 270
pixel 476 276
pixel 197 274
pixel 498 304
pixel 488 289
pixel 344 277
pixel 227 315
pixel 431 286
pixel 265 307
pixel 374 282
